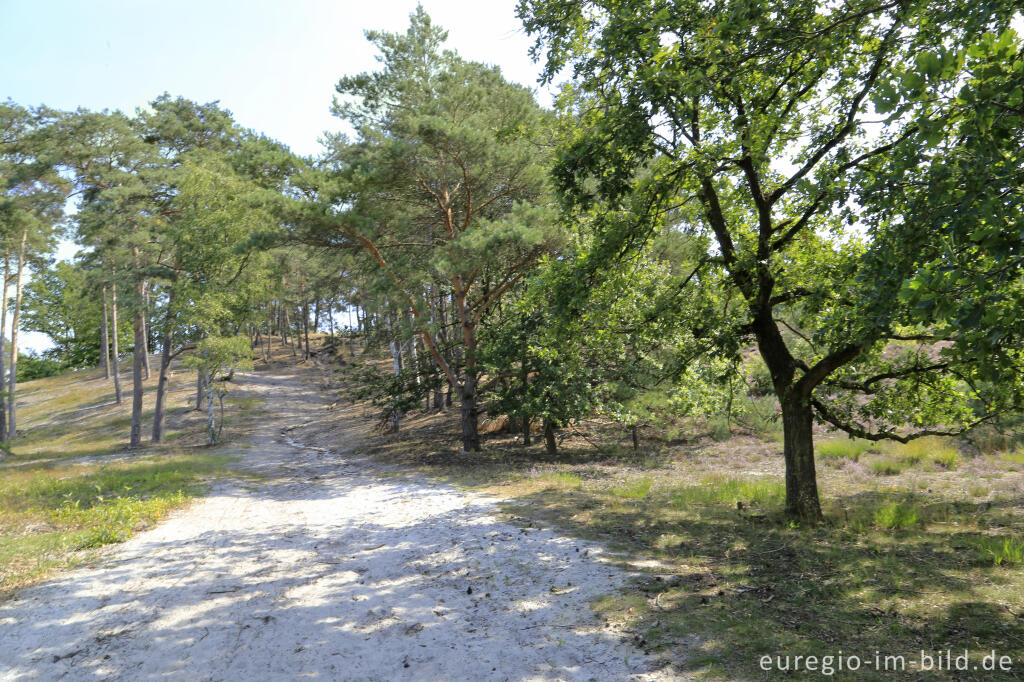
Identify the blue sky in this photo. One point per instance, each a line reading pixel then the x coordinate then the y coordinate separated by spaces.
pixel 272 64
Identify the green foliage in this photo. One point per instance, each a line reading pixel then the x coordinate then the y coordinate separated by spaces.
pixel 216 359
pixel 754 127
pixel 35 367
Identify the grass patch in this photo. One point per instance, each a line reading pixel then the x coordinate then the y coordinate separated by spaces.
pixel 843 448
pixel 49 514
pixel 939 451
pixel 562 480
pixel 717 489
pixel 637 490
pixel 897 516
pixel 888 466
pixel 1016 457
pixel 1005 550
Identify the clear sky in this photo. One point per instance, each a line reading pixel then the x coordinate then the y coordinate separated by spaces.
pixel 272 63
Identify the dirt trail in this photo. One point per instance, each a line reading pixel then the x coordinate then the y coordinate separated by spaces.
pixel 327 569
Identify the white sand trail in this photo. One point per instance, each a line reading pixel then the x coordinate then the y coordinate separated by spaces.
pixel 327 570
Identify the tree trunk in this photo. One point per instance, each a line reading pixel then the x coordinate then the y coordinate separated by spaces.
pixel 550 444
pixel 467 401
pixel 526 430
pixel 11 407
pixel 798 450
pixel 305 324
pixel 165 362
pixel 396 361
pixel 105 337
pixel 199 392
pixel 3 332
pixel 209 409
pixel 636 437
pixel 145 327
pixel 114 356
pixel 138 364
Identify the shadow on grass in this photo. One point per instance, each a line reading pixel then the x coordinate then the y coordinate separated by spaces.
pixel 743 584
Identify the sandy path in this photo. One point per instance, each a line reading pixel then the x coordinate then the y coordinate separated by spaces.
pixel 328 570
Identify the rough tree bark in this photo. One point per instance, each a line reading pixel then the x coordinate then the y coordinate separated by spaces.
pixel 105 337
pixel 160 410
pixel 12 429
pixel 3 332
pixel 145 328
pixel 115 354
pixel 550 444
pixel 138 362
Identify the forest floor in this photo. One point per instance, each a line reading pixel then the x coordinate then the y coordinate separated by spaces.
pixel 317 561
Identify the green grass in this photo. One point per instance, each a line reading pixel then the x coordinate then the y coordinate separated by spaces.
pixel 1017 457
pixel 843 448
pixel 49 513
pixel 717 489
pixel 939 451
pixel 897 516
pixel 887 466
pixel 637 490
pixel 1005 550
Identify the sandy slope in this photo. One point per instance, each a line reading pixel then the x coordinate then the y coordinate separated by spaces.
pixel 328 570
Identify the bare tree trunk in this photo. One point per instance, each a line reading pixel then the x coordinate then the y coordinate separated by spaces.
pixel 105 337
pixel 3 332
pixel 138 361
pixel 115 355
pixel 305 324
pixel 330 315
pixel 11 406
pixel 396 360
pixel 209 409
pixel 145 327
pixel 165 363
pixel 199 392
